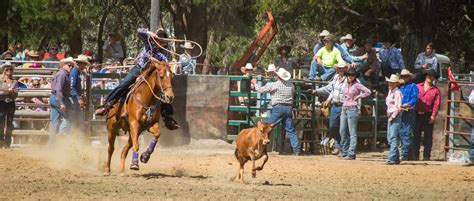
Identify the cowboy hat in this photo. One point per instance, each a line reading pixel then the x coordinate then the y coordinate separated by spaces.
pixel 247 66
pixel 341 65
pixel 394 78
pixel 6 65
pixel 346 37
pixel 129 61
pixel 83 59
pixel 281 47
pixel 430 72
pixel 324 33
pixel 33 53
pixel 65 61
pixel 406 72
pixel 271 68
pixel 283 74
pixel 329 37
pixel 187 45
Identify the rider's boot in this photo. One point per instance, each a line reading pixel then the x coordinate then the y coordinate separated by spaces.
pixel 102 110
pixel 170 123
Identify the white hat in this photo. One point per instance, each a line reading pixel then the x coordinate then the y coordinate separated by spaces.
pixel 271 68
pixel 324 33
pixel 406 72
pixel 187 45
pixel 394 78
pixel 346 37
pixel 68 60
pixel 283 74
pixel 82 58
pixel 248 66
pixel 341 65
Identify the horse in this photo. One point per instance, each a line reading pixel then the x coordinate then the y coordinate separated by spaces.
pixel 140 111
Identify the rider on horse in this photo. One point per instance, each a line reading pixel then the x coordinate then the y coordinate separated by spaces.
pixel 150 49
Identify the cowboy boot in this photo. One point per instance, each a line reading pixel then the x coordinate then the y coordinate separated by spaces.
pixel 102 110
pixel 170 123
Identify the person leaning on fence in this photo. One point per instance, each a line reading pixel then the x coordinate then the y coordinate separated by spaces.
pixel 76 90
pixel 409 99
pixel 60 100
pixel 394 107
pixel 246 70
pixel 284 60
pixel 150 49
pixel 282 103
pixel 8 94
pixel 471 147
pixel 353 92
pixel 334 100
pixel 429 98
pixel 187 64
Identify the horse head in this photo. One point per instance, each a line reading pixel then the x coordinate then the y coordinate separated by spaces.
pixel 164 81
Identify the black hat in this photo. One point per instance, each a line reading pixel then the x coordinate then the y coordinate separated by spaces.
pixel 352 71
pixel 431 72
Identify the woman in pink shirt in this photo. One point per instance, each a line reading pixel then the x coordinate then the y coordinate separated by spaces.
pixel 353 92
pixel 394 103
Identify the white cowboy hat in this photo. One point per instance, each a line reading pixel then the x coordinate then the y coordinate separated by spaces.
pixel 68 60
pixel 187 45
pixel 248 66
pixel 341 65
pixel 82 58
pixel 347 37
pixel 271 68
pixel 406 72
pixel 283 74
pixel 394 78
pixel 324 33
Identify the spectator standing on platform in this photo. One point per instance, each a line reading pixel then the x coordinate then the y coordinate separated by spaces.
pixel 52 56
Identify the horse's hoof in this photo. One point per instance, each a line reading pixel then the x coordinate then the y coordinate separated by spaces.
pixel 254 174
pixel 134 167
pixel 259 168
pixel 144 157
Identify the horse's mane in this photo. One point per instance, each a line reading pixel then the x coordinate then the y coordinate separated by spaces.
pixel 149 70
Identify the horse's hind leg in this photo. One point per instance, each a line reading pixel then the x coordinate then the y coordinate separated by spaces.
pixel 124 154
pixel 111 138
pixel 155 130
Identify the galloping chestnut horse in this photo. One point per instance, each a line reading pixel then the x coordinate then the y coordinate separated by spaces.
pixel 140 111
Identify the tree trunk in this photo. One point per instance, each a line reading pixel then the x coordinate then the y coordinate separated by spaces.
pixel 75 41
pixel 4 6
pixel 208 59
pixel 197 28
pixel 100 41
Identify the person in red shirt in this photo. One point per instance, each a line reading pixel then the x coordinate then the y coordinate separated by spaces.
pixel 429 98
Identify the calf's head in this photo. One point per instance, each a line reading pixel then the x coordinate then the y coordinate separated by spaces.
pixel 263 130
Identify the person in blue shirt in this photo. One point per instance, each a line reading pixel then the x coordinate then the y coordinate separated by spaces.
pixel 391 58
pixel 76 91
pixel 313 71
pixel 409 99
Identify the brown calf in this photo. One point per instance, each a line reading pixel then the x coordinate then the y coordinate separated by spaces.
pixel 252 145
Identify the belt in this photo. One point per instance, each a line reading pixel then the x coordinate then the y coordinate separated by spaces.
pixel 283 104
pixel 337 103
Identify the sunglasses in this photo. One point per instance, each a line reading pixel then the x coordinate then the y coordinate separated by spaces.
pixel 70 65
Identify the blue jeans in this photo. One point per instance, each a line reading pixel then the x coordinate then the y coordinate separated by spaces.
pixel 60 121
pixel 77 115
pixel 393 130
pixel 122 89
pixel 334 122
pixel 406 132
pixel 349 118
pixel 324 72
pixel 282 113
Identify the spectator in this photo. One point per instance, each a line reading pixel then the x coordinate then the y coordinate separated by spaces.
pixel 113 48
pixel 370 62
pixel 52 56
pixel 349 45
pixel 8 94
pixel 327 58
pixel 284 60
pixel 471 147
pixel 78 101
pixel 427 107
pixel 9 54
pixel 409 99
pixel 246 71
pixel 424 61
pixel 36 84
pixel 313 69
pixel 353 92
pixel 391 57
pixel 335 99
pixel 393 102
pixel 60 100
pixel 282 102
pixel 34 56
pixel 20 52
pixel 187 62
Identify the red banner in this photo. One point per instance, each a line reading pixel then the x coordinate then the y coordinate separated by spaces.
pixel 453 85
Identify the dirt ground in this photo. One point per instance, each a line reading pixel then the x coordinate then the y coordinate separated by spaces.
pixel 205 170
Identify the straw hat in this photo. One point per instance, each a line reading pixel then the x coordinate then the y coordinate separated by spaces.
pixel 347 37
pixel 129 61
pixel 394 78
pixel 329 37
pixel 33 53
pixel 83 59
pixel 341 65
pixel 271 68
pixel 324 33
pixel 187 45
pixel 283 74
pixel 6 65
pixel 247 66
pixel 406 72
pixel 65 61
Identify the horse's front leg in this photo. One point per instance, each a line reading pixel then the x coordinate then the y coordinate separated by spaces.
pixel 155 130
pixel 134 133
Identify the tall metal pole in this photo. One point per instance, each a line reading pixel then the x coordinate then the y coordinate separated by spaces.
pixel 155 15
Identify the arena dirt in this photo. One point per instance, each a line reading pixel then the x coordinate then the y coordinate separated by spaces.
pixel 206 168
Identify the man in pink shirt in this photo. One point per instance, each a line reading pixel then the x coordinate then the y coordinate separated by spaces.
pixel 429 98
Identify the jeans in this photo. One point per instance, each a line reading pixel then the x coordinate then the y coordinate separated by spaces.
pixel 471 148
pixel 7 112
pixel 422 124
pixel 324 72
pixel 349 118
pixel 77 115
pixel 334 122
pixel 283 113
pixel 59 127
pixel 406 132
pixel 393 130
pixel 122 89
